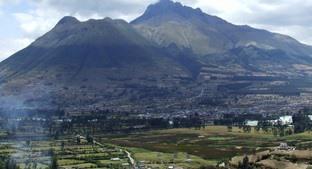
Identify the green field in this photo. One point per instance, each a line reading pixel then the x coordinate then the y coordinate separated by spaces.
pixel 185 148
pixel 214 143
pixel 69 154
pixel 152 159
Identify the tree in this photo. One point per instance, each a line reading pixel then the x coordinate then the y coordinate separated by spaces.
pixel 289 132
pixel 11 164
pixel 245 164
pixel 230 128
pixel 282 132
pixel 63 146
pixel 257 128
pixel 28 143
pixel 89 138
pixel 246 129
pixel 281 128
pixel 264 125
pixel 35 164
pixel 275 131
pixel 56 135
pixel 301 122
pixel 78 139
pixel 53 164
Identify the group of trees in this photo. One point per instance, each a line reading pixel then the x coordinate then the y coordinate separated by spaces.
pixel 54 164
pixel 237 119
pixel 277 129
pixel 8 163
pixel 96 124
pixel 302 121
pixel 188 122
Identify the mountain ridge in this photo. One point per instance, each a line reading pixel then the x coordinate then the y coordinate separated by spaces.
pixel 171 58
pixel 166 22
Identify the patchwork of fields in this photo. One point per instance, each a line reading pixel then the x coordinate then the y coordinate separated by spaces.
pixel 214 143
pixel 178 148
pixel 67 154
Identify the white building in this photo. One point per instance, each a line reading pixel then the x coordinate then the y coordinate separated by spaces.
pixel 310 117
pixel 252 123
pixel 286 120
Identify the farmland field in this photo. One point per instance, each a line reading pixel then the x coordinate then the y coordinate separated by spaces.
pixel 67 154
pixel 181 148
pixel 214 143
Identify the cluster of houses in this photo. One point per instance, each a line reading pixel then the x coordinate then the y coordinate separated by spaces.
pixel 285 147
pixel 283 120
pixel 253 120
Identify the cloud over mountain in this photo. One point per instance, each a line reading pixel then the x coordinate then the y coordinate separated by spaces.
pixel 34 17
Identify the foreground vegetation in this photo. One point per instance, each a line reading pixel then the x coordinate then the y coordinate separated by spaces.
pixel 179 148
pixel 214 143
pixel 66 154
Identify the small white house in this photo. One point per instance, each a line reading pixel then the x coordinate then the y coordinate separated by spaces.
pixel 284 146
pixel 115 159
pixel 286 120
pixel 252 123
pixel 125 164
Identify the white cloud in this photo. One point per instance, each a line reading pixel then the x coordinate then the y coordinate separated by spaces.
pixel 47 13
pixel 44 14
pixel 10 46
pixel 37 22
pixel 290 17
pixel 301 33
pixel 1 12
pixel 276 15
pixel 88 8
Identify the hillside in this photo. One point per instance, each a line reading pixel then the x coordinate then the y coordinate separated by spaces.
pixel 83 61
pixel 170 59
pixel 168 22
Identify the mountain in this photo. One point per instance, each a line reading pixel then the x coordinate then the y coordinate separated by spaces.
pixel 92 59
pixel 168 22
pixel 74 48
pixel 224 50
pixel 170 59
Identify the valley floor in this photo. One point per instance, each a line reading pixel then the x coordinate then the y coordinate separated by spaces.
pixel 172 148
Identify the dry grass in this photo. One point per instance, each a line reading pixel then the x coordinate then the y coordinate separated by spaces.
pixel 274 164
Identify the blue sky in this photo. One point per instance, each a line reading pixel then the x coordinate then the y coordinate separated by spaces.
pixel 22 21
